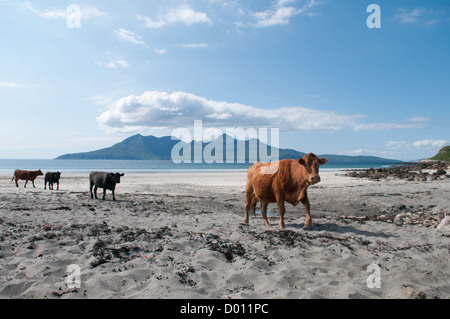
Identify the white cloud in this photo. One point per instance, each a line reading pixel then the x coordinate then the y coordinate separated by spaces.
pixel 100 99
pixel 183 14
pixel 397 145
pixel 193 45
pixel 419 119
pixel 160 109
pixel 113 64
pixel 356 152
pixel 413 122
pixel 418 15
pixel 149 23
pixel 49 14
pixel 159 51
pixel 117 63
pixel 155 110
pixel 187 16
pixel 409 16
pixel 430 143
pixel 8 85
pixel 387 126
pixel 281 13
pixel 128 36
pixel 402 145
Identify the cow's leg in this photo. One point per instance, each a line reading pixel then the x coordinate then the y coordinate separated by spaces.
pixel 113 191
pixel 17 184
pixel 57 186
pixel 25 186
pixel 305 202
pixel 90 190
pixel 95 191
pixel 104 193
pixel 32 182
pixel 254 202
pixel 264 213
pixel 248 202
pixel 45 185
pixel 281 210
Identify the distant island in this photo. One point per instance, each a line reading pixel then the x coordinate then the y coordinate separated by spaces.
pixel 138 147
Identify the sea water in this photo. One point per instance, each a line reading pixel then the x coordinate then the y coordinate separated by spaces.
pixel 7 166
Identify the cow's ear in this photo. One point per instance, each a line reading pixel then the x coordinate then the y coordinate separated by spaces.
pixel 323 160
pixel 122 174
pixel 302 161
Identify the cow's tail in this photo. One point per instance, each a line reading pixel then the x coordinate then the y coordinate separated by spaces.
pixel 13 178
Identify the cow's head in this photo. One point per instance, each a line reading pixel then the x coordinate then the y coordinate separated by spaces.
pixel 311 164
pixel 117 177
pixel 58 175
pixel 39 173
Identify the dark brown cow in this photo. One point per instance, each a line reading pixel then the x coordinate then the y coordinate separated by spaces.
pixel 285 181
pixel 26 175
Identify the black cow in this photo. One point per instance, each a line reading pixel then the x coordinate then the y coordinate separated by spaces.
pixel 50 178
pixel 105 181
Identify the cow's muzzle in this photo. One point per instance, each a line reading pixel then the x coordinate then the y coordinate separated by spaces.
pixel 314 179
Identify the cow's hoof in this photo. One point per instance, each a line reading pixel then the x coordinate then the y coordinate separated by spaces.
pixel 307 227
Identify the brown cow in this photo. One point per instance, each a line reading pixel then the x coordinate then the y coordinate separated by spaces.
pixel 288 182
pixel 26 175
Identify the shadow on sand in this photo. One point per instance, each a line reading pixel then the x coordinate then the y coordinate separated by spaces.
pixel 341 229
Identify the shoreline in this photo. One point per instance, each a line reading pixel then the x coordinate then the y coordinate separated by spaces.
pixel 4 173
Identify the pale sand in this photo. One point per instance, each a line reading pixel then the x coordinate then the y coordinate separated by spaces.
pixel 180 235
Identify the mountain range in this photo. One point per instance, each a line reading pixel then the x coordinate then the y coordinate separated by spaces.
pixel 138 147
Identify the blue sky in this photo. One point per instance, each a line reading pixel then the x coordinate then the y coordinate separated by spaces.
pixel 313 69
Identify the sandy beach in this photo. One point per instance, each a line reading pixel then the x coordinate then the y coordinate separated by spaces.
pixel 180 235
